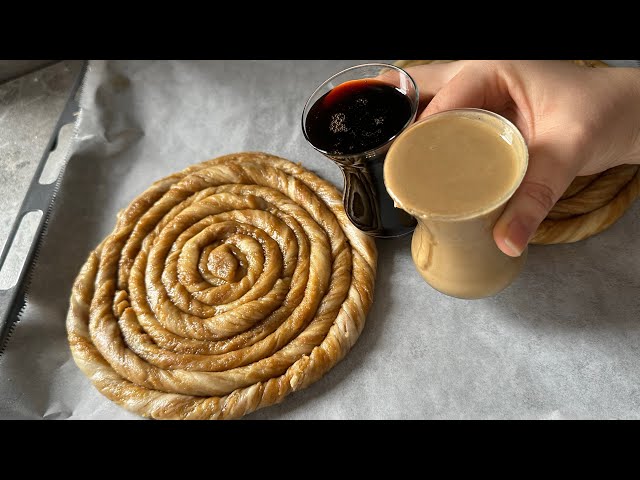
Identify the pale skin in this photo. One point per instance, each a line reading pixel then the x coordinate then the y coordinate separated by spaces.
pixel 576 121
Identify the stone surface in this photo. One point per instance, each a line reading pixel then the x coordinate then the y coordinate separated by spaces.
pixel 30 106
pixel 10 69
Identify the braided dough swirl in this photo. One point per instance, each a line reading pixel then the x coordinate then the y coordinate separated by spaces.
pixel 592 203
pixel 600 201
pixel 222 289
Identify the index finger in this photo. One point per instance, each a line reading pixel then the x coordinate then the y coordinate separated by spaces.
pixel 431 78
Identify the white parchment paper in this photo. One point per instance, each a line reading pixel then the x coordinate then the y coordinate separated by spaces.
pixel 562 342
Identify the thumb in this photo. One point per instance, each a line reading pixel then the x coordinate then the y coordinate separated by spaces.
pixel 543 184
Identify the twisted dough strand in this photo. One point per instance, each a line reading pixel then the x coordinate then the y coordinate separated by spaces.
pixel 584 226
pixel 596 194
pixel 222 289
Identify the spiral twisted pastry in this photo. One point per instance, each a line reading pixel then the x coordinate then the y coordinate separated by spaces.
pixel 222 289
pixel 592 203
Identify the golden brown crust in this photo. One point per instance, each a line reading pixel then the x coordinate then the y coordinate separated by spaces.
pixel 222 289
pixel 579 184
pixel 581 227
pixel 592 203
pixel 590 63
pixel 415 63
pixel 594 194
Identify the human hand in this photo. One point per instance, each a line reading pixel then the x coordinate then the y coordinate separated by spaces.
pixel 576 121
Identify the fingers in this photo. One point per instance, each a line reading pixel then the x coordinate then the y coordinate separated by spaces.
pixel 428 78
pixel 460 84
pixel 545 181
pixel 476 85
pixel 498 86
pixel 431 78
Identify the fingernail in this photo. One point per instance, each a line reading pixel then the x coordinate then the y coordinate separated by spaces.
pixel 517 238
pixel 513 250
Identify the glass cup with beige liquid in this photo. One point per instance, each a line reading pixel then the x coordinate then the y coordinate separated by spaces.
pixel 454 172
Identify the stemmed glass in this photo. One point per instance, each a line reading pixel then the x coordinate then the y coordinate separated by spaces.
pixel 365 198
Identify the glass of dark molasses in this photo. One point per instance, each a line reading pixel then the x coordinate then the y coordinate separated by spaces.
pixel 352 118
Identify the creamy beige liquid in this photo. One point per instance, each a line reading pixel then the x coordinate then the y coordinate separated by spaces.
pixel 451 166
pixel 454 172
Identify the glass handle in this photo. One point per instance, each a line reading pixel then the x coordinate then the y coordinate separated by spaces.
pixel 360 200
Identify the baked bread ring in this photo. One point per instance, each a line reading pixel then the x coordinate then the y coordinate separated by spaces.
pixel 222 289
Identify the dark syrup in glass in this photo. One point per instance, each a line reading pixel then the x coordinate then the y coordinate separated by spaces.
pixel 350 123
pixel 357 116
